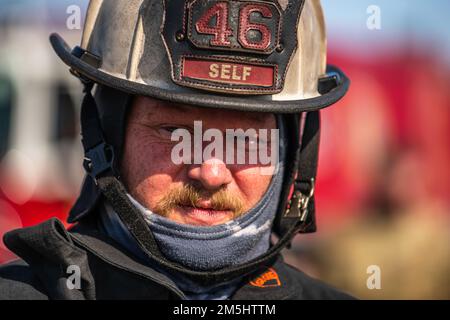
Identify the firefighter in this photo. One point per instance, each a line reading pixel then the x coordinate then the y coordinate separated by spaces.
pixel 167 209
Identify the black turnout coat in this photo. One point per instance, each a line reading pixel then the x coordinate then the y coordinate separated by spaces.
pixel 108 271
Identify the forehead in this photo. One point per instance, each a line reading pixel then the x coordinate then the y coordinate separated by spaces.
pixel 158 110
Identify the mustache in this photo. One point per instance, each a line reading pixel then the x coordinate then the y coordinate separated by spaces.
pixel 189 196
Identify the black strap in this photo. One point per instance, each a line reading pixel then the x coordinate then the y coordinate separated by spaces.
pixel 116 194
pixel 301 206
pixel 91 131
pixel 99 155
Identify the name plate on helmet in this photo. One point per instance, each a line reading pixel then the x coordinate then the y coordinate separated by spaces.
pixel 235 46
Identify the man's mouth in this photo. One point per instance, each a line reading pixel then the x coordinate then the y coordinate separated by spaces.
pixel 204 213
pixel 206 205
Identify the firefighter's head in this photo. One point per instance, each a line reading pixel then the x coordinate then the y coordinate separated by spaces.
pixel 168 73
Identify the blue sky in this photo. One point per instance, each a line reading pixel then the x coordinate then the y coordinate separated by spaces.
pixel 424 24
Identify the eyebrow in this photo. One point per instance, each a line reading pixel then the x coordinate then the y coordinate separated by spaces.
pixel 259 117
pixel 181 108
pixel 163 104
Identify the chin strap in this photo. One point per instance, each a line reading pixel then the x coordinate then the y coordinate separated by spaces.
pixel 98 163
pixel 300 207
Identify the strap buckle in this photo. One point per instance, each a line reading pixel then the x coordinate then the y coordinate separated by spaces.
pixel 98 160
pixel 87 57
pixel 300 202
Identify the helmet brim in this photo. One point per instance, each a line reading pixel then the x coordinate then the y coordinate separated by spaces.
pixel 199 98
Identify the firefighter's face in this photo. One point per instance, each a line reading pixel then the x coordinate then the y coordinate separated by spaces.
pixel 206 188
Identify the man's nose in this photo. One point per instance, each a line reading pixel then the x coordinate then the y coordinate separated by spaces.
pixel 213 174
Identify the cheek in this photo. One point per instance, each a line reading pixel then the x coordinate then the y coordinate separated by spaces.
pixel 252 184
pixel 147 167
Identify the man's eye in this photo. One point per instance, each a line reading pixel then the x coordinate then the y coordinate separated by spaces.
pixel 167 132
pixel 170 129
pixel 252 144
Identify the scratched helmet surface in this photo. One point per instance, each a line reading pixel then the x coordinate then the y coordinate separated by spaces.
pixel 258 55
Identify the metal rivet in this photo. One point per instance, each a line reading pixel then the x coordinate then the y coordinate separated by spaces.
pixel 280 48
pixel 180 36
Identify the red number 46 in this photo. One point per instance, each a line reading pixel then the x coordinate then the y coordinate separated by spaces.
pixel 222 32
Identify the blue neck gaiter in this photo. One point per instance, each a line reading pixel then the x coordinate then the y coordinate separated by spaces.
pixel 208 248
